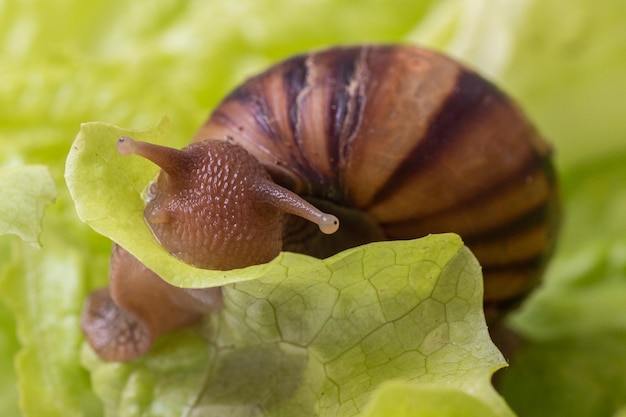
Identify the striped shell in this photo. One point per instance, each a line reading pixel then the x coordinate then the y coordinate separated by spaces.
pixel 414 140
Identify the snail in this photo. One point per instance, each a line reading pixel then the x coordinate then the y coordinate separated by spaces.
pixel 387 141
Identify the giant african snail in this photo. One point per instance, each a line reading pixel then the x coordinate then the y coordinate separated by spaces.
pixel 395 140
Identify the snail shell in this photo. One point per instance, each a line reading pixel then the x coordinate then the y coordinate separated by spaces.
pixel 396 141
pixel 416 142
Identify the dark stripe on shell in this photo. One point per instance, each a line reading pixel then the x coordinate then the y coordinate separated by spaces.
pixel 537 216
pixel 535 165
pixel 343 114
pixel 471 95
pixel 295 80
pixel 258 107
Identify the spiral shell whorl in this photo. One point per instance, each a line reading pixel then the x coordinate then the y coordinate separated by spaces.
pixel 416 141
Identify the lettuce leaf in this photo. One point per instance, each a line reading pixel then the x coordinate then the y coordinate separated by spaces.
pixel 405 400
pixel 43 291
pixel 8 348
pixel 318 337
pixel 45 296
pixel 26 192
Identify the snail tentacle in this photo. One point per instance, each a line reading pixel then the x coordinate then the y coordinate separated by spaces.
pixel 289 202
pixel 170 160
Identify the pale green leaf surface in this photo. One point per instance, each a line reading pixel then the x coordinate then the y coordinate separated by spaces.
pixel 45 296
pixel 318 339
pixel 406 400
pixel 8 348
pixel 26 191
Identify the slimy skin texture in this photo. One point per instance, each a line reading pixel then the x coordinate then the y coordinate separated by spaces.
pixel 122 321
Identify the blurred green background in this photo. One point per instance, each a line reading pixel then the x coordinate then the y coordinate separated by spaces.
pixel 63 63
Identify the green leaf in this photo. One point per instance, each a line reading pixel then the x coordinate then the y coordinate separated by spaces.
pixel 8 347
pixel 43 291
pixel 26 191
pixel 319 337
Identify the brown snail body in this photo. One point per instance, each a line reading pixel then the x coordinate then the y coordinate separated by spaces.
pixel 397 141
